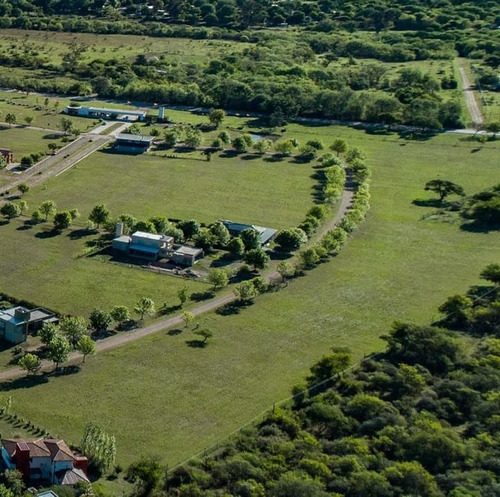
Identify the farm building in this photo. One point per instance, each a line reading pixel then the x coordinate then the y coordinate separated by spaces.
pixel 186 256
pixel 7 155
pixel 136 144
pixel 108 114
pixel 17 322
pixel 266 234
pixel 44 460
pixel 154 247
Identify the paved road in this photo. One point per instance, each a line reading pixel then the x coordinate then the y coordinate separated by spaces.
pixel 66 157
pixel 123 338
pixel 470 99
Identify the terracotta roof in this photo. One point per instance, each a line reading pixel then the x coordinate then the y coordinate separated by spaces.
pixel 71 476
pixel 57 450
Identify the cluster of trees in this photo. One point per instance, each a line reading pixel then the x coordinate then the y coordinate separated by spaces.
pixel 280 75
pixel 419 419
pixel 138 18
pixel 481 209
pixel 58 341
pixel 62 219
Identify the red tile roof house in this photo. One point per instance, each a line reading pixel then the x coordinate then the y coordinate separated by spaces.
pixel 44 460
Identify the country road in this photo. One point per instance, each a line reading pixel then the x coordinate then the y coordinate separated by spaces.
pixel 123 338
pixel 66 157
pixel 470 99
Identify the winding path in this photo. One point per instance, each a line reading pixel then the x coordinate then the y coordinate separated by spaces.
pixel 123 338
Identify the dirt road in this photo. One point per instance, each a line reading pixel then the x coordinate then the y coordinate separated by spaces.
pixel 470 98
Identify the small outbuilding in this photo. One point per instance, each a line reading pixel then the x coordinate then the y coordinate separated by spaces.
pixel 186 256
pixel 133 144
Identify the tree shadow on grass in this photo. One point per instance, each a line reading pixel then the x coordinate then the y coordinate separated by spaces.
pixel 232 308
pixel 201 296
pixel 478 227
pixel 196 344
pixel 25 227
pixel 47 234
pixel 274 158
pixel 128 325
pixel 250 156
pixel 228 154
pixel 430 202
pixel 80 233
pixel 174 332
pixel 4 222
pixel 475 150
pixel 169 309
pixel 25 382
pixel 422 135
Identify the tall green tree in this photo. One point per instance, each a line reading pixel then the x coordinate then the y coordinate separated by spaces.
pixel 444 188
pixel 58 349
pixel 145 306
pixel 99 215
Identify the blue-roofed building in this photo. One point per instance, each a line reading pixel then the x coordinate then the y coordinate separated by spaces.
pixel 266 234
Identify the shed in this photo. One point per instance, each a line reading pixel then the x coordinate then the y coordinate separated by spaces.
pixel 186 256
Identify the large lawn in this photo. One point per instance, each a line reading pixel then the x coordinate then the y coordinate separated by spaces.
pixel 161 397
pixel 275 194
pixel 47 271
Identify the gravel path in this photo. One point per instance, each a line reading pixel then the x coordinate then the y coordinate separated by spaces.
pixel 470 99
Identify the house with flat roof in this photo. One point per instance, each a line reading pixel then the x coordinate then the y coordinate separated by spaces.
pixel 142 244
pixel 266 234
pixel 44 460
pixel 107 114
pixel 17 322
pixel 152 246
pixel 134 144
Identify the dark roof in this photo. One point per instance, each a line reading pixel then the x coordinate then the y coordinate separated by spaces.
pixel 265 233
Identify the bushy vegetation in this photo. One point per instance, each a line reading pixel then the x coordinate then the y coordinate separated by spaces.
pixel 419 419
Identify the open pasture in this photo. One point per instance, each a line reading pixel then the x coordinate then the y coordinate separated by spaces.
pixel 44 268
pixel 275 194
pixel 171 399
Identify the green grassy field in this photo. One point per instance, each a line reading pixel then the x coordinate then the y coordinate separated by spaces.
pixel 22 106
pixel 46 270
pixel 273 194
pixel 161 397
